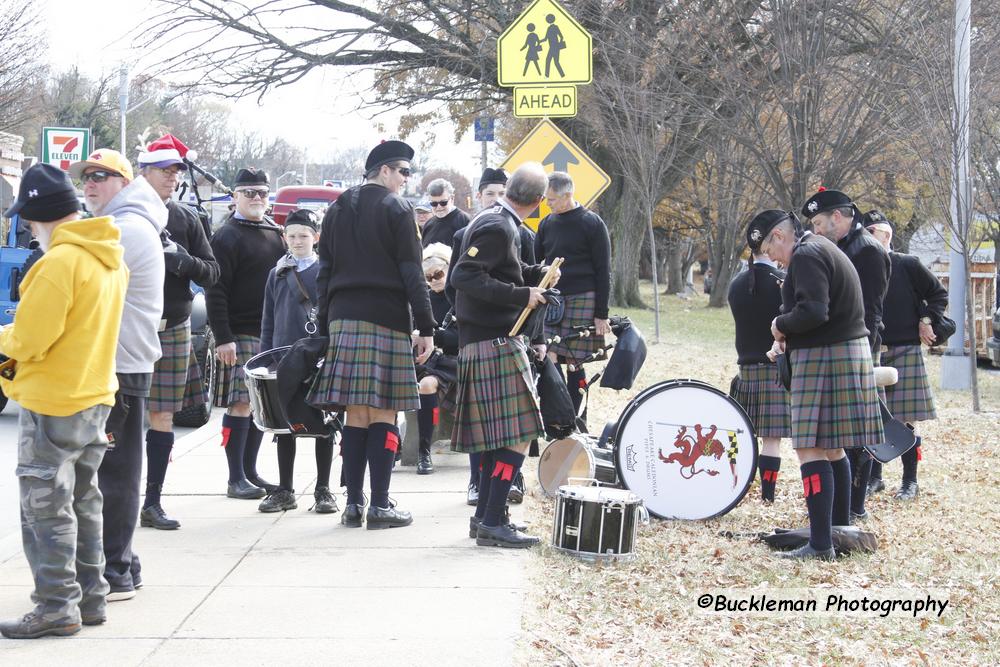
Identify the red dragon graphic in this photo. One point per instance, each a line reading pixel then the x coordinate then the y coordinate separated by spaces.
pixel 692 449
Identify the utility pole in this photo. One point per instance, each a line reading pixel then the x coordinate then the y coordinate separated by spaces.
pixel 956 372
pixel 123 103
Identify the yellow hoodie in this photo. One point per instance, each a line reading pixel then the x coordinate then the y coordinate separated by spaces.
pixel 65 329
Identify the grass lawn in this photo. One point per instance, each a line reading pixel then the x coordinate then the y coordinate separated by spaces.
pixel 645 613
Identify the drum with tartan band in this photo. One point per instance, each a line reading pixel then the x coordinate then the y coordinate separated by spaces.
pixel 170 373
pixel 763 398
pixel 910 399
pixel 230 386
pixel 579 312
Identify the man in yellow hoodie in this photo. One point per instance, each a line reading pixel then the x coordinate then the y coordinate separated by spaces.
pixel 63 340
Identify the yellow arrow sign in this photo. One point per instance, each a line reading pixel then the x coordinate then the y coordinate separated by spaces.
pixel 544 45
pixel 547 144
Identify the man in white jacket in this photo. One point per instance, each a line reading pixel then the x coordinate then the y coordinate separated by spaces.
pixel 109 189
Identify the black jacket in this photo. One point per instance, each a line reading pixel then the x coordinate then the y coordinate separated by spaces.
pixel 753 312
pixel 821 296
pixel 581 238
pixel 286 308
pixel 192 261
pixel 246 252
pixel 871 261
pixel 525 243
pixel 442 230
pixel 370 262
pixel 914 292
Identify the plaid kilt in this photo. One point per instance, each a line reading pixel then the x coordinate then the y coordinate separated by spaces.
pixel 834 403
pixel 496 402
pixel 366 364
pixel 194 390
pixel 229 384
pixel 166 391
pixel 910 399
pixel 579 312
pixel 764 399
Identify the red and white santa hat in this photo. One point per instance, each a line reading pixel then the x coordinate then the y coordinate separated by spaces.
pixel 164 152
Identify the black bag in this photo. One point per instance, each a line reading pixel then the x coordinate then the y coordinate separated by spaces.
pixel 943 327
pixel 899 438
pixel 556 308
pixel 626 359
pixel 846 540
pixel 294 375
pixel 558 415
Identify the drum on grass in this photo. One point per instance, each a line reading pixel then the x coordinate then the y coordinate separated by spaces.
pixel 687 449
pixel 596 523
pixel 262 384
pixel 575 456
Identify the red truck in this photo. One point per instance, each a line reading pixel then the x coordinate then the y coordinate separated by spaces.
pixel 313 197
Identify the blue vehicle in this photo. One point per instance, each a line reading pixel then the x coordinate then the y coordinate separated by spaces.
pixel 14 255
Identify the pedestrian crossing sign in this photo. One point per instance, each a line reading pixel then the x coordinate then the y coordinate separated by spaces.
pixel 544 46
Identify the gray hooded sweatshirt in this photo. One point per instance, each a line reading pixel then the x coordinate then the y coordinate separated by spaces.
pixel 140 215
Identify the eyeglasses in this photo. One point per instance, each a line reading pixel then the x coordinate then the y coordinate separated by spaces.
pixel 99 176
pixel 437 275
pixel 442 203
pixel 168 171
pixel 403 171
pixel 251 194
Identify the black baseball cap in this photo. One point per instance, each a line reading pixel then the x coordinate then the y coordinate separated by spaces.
pixel 46 194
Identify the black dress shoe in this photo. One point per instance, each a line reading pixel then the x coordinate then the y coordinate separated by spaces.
pixel 504 536
pixel 806 551
pixel 154 517
pixel 387 517
pixel 244 490
pixel 267 486
pixel 516 494
pixel 475 522
pixel 325 502
pixel 353 516
pixel 908 491
pixel 424 464
pixel 875 485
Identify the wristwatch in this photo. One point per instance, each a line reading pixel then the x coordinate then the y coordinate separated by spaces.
pixel 925 320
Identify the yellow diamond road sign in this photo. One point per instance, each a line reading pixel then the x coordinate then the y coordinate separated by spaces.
pixel 544 46
pixel 547 144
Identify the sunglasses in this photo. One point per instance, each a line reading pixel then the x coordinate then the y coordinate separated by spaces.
pixel 404 171
pixel 99 176
pixel 251 194
pixel 437 275
pixel 442 204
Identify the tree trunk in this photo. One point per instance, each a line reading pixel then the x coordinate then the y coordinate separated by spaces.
pixel 722 275
pixel 675 268
pixel 627 235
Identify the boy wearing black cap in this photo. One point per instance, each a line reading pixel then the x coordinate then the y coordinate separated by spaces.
pixel 835 216
pixel 755 300
pixel 247 247
pixel 369 282
pixel 492 186
pixel 833 400
pixel 915 295
pixel 64 341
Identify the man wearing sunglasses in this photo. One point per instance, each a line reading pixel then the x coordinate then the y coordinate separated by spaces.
pixel 247 247
pixel 447 219
pixel 110 190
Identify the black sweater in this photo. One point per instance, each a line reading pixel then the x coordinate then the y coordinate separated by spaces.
pixel 246 252
pixel 193 261
pixel 871 261
pixel 914 292
pixel 490 279
pixel 821 297
pixel 442 230
pixel 525 244
pixel 370 262
pixel 580 237
pixel 753 312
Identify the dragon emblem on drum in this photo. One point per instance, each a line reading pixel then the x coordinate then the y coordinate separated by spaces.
pixel 700 448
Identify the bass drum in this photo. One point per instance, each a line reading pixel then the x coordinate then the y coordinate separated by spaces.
pixel 687 449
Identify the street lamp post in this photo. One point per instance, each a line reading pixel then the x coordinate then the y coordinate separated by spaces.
pixel 123 102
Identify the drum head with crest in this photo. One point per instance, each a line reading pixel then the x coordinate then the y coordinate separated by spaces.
pixel 687 449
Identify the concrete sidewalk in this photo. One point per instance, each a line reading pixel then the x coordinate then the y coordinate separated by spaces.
pixel 237 587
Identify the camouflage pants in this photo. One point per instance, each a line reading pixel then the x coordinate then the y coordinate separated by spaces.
pixel 57 462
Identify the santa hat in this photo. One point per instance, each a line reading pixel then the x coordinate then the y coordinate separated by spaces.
pixel 164 152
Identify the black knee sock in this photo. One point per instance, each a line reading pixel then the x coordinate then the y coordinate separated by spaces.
pixel 382 444
pixel 426 419
pixel 769 466
pixel 324 461
pixel 352 449
pixel 909 460
pixel 575 381
pixel 841 491
pixel 254 438
pixel 485 469
pixel 861 469
pixel 506 465
pixel 817 485
pixel 286 461
pixel 876 472
pixel 158 446
pixel 474 470
pixel 234 440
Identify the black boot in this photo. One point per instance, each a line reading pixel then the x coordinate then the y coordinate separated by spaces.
pixel 425 465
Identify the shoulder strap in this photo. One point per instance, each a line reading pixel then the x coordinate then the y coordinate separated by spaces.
pixel 303 292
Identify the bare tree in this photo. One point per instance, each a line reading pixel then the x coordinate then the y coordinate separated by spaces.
pixel 22 61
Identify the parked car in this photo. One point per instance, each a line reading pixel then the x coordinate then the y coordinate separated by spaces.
pixel 313 197
pixel 16 257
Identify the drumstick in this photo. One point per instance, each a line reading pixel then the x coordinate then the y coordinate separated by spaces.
pixel 546 282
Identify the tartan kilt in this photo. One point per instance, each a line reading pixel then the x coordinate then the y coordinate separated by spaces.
pixel 764 399
pixel 194 390
pixel 579 312
pixel 230 386
pixel 910 399
pixel 496 402
pixel 366 364
pixel 166 391
pixel 833 397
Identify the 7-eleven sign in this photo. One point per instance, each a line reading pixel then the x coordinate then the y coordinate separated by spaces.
pixel 62 146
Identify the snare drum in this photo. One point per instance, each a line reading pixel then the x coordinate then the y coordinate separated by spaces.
pixel 687 449
pixel 262 385
pixel 596 523
pixel 575 456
